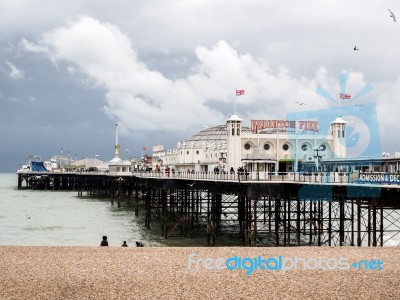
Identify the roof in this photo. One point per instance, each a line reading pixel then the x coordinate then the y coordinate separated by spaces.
pixel 88 162
pixel 234 118
pixel 339 120
pixel 116 160
pixel 211 137
pixel 258 155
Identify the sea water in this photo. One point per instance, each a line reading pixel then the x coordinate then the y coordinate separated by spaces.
pixel 61 218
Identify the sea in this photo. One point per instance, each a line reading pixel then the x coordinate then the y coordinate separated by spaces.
pixel 61 218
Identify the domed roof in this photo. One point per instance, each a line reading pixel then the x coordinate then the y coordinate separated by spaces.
pixel 339 120
pixel 213 136
pixel 210 137
pixel 234 118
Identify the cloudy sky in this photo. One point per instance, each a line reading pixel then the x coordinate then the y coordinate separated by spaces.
pixel 163 70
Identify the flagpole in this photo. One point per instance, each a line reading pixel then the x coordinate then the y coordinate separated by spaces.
pixel 234 103
pixel 238 93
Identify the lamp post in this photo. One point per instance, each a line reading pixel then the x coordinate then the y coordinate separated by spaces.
pixel 317 157
pixel 222 159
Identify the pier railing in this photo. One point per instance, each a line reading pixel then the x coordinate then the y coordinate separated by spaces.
pixel 316 177
pixel 375 178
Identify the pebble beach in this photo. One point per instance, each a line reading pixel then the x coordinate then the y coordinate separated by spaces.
pixel 163 273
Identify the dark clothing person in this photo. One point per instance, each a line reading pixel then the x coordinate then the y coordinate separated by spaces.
pixel 124 244
pixel 104 242
pixel 139 244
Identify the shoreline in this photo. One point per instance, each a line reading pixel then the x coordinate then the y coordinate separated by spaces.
pixel 92 272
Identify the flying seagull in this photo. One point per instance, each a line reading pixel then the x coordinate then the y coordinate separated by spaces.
pixel 355 48
pixel 300 103
pixel 392 15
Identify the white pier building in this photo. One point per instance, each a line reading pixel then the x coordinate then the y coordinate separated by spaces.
pixel 267 146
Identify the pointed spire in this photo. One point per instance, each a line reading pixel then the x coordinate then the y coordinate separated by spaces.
pixel 117 146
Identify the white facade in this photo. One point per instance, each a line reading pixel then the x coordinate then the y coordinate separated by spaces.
pixel 274 150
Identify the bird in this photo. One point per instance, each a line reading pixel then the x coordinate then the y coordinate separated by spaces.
pixel 355 48
pixel 300 103
pixel 127 150
pixel 392 15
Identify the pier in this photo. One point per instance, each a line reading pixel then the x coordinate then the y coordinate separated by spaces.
pixel 287 209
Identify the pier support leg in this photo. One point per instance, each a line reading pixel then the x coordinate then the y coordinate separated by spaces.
pixel 298 215
pixel 136 202
pixel 358 223
pixel 148 208
pixel 164 212
pixel 210 220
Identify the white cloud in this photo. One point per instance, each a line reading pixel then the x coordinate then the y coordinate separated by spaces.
pixel 146 100
pixel 13 71
pixel 31 47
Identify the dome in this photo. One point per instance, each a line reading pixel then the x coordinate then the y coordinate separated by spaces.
pixel 234 118
pixel 213 136
pixel 339 120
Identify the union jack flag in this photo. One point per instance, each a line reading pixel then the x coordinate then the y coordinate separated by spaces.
pixel 239 92
pixel 345 96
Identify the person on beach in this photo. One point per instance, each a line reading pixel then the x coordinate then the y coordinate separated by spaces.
pixel 139 244
pixel 124 244
pixel 104 242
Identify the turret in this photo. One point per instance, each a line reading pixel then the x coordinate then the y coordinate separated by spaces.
pixel 117 146
pixel 234 130
pixel 338 131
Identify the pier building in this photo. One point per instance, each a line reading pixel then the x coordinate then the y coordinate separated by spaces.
pixel 266 147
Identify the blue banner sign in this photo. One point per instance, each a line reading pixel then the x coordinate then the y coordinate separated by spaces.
pixel 379 178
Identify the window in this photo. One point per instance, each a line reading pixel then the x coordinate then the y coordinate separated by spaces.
pixel 285 147
pixel 247 146
pixel 304 147
pixel 322 147
pixel 197 152
pixel 266 147
pixel 187 152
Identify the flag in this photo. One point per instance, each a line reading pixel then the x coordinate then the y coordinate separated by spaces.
pixel 345 96
pixel 239 92
pixel 144 148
